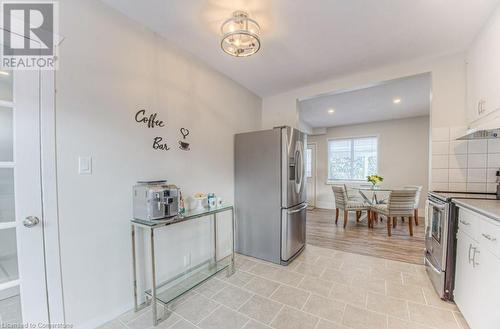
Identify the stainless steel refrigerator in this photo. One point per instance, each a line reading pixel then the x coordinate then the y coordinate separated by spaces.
pixel 270 194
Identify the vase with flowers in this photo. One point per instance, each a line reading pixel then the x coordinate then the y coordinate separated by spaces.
pixel 374 179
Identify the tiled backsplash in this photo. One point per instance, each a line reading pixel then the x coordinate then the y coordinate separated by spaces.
pixel 463 165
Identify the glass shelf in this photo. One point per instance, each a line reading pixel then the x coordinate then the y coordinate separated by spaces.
pixel 189 214
pixel 173 288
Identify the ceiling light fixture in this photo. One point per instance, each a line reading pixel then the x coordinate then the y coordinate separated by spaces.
pixel 331 111
pixel 396 100
pixel 240 35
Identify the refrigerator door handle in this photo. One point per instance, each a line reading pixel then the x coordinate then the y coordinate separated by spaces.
pixel 299 167
pixel 297 171
pixel 298 209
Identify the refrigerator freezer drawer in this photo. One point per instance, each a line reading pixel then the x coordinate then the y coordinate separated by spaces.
pixel 293 230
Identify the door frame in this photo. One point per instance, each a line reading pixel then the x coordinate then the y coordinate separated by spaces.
pixel 315 170
pixel 49 192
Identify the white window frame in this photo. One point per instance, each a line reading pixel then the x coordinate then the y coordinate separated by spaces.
pixel 337 181
pixel 310 159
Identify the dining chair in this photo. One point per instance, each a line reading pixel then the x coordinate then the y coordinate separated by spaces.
pixel 352 195
pixel 401 203
pixel 342 202
pixel 418 188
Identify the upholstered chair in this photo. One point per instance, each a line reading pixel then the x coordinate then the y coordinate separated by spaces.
pixel 401 203
pixel 343 203
pixel 418 188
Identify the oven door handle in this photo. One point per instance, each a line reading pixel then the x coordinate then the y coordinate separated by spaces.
pixel 441 207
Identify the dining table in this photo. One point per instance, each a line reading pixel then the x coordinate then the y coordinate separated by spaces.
pixel 369 194
pixel 373 199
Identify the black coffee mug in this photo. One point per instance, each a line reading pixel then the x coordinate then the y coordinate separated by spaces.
pixel 184 146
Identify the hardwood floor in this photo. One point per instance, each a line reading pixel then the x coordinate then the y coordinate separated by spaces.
pixel 357 238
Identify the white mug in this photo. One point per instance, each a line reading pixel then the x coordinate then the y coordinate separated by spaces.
pixel 219 201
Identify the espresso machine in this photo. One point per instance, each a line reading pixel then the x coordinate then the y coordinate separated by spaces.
pixel 155 200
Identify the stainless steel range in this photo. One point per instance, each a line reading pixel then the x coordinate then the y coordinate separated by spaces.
pixel 440 238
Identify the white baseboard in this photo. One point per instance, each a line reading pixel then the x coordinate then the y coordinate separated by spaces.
pixel 97 322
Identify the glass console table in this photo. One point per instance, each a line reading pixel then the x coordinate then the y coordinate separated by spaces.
pixel 167 291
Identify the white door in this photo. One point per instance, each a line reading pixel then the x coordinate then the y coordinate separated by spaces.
pixel 311 174
pixel 23 296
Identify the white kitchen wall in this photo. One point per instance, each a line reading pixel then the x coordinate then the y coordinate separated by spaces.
pixel 110 67
pixel 403 154
pixel 463 165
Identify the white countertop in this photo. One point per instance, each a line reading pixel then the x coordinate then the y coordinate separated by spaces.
pixel 488 208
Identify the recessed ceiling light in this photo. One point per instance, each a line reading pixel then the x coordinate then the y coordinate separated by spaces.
pixel 396 100
pixel 4 73
pixel 331 111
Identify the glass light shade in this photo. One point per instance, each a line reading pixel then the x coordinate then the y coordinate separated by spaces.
pixel 240 35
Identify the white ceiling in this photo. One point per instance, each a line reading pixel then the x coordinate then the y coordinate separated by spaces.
pixel 307 41
pixel 370 104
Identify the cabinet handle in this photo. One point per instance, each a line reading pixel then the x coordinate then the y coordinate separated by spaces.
pixel 479 107
pixel 464 222
pixel 474 263
pixel 489 237
pixel 470 249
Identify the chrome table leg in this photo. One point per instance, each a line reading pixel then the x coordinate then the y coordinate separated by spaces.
pixel 231 268
pixel 153 278
pixel 134 270
pixel 215 240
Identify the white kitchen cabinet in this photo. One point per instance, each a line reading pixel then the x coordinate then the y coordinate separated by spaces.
pixel 483 74
pixel 489 289
pixel 477 287
pixel 466 285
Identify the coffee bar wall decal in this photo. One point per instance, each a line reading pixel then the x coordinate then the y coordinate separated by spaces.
pixel 184 132
pixel 158 145
pixel 183 145
pixel 152 121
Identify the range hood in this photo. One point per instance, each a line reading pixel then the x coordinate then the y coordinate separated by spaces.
pixel 481 134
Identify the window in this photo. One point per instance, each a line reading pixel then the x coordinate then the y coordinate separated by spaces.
pixel 308 163
pixel 352 158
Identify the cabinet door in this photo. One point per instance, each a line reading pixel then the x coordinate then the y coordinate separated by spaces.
pixel 466 280
pixel 489 46
pixel 487 266
pixel 473 86
pixel 483 71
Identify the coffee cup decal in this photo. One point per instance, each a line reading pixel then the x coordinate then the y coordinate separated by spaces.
pixel 184 146
pixel 184 133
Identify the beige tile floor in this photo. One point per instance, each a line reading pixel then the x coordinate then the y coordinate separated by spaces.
pixel 321 289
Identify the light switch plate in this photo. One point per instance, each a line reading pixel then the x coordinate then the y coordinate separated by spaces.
pixel 85 165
